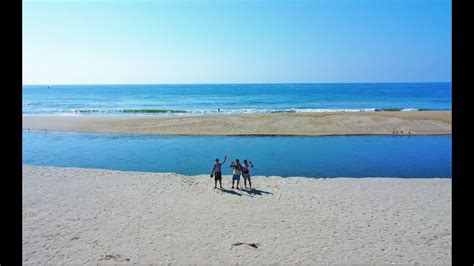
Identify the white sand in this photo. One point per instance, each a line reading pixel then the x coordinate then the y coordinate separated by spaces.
pixel 73 215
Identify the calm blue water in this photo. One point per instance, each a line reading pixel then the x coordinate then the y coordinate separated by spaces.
pixel 233 98
pixel 328 156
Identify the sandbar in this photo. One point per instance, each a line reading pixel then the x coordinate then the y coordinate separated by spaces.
pixel 304 124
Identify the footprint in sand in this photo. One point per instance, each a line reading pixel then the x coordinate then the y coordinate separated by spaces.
pixel 116 257
pixel 254 245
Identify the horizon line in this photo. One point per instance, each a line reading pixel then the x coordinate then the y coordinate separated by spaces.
pixel 235 83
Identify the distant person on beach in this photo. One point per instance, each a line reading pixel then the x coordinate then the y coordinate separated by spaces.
pixel 216 170
pixel 237 168
pixel 246 172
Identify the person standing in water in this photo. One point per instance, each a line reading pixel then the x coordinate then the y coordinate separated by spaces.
pixel 246 172
pixel 216 170
pixel 237 168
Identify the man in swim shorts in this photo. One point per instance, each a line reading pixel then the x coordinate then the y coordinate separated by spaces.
pixel 237 168
pixel 246 172
pixel 216 170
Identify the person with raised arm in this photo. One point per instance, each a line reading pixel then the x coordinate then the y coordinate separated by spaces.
pixel 246 172
pixel 236 169
pixel 216 170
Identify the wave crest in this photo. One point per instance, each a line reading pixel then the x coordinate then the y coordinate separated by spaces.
pixel 229 111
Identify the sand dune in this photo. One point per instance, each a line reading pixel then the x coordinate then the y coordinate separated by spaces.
pixel 342 123
pixel 73 215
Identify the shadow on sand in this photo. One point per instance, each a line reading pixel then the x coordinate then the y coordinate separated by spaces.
pixel 257 192
pixel 251 192
pixel 230 191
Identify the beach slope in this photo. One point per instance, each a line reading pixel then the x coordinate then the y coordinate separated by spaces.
pixel 74 215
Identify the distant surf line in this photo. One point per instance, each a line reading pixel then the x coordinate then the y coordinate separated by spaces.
pixel 228 111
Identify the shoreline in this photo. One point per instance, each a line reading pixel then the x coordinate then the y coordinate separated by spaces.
pixel 281 124
pixel 228 175
pixel 77 215
pixel 241 135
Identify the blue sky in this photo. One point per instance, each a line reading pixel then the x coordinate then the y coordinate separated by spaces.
pixel 90 42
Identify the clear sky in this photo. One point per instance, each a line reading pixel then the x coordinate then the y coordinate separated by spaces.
pixel 89 42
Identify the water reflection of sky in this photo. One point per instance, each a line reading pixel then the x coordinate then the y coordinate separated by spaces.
pixel 329 156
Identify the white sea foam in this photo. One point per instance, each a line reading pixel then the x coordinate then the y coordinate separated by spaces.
pixel 333 110
pixel 170 112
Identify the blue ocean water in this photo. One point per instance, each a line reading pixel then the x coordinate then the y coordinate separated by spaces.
pixel 322 156
pixel 232 98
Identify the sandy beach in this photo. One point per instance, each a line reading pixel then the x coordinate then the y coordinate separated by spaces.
pixel 338 123
pixel 73 215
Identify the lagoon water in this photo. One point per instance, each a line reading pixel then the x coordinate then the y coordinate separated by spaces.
pixel 190 99
pixel 322 156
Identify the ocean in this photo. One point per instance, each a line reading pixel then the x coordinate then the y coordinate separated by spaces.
pixel 195 99
pixel 314 157
pixel 322 156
